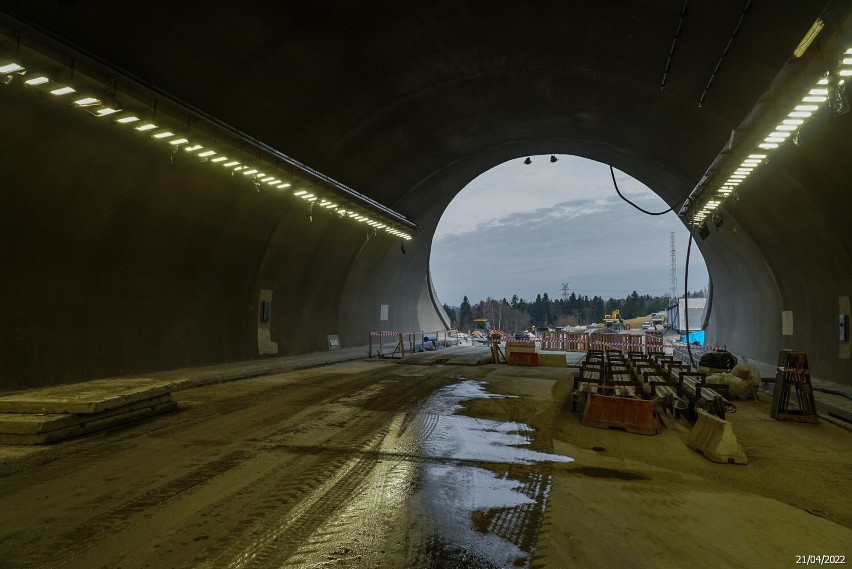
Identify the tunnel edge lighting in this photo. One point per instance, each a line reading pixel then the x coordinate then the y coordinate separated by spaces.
pixel 166 108
pixel 816 97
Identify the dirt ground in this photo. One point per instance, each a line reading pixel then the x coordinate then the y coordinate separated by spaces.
pixel 377 464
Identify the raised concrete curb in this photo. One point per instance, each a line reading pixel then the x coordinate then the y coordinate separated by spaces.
pixel 55 413
pixel 454 355
pixel 198 376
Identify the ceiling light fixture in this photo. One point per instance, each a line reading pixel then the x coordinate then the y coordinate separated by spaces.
pixel 35 81
pixel 809 38
pixel 148 102
pixel 9 69
pixel 59 91
pixel 820 86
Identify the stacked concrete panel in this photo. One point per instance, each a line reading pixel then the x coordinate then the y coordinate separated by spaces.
pixel 56 413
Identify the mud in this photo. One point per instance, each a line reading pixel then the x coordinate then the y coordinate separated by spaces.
pixel 374 464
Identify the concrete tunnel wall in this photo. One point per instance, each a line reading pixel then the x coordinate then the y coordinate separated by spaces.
pixel 785 247
pixel 118 262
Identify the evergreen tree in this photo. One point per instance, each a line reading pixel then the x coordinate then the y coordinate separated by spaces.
pixel 632 306
pixel 537 313
pixel 465 321
pixel 451 312
pixel 547 310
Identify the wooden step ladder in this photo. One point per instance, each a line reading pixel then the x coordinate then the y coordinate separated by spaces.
pixel 793 395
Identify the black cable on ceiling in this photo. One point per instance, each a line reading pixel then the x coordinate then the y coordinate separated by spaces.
pixel 614 183
pixel 686 302
pixel 674 43
pixel 727 49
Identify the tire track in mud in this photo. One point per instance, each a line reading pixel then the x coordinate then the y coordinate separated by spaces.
pixel 357 534
pixel 274 545
pixel 521 524
pixel 330 484
pixel 322 499
pixel 113 521
pixel 85 534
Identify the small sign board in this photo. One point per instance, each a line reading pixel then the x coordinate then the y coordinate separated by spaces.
pixel 333 342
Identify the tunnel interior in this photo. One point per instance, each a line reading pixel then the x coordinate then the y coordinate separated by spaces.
pixel 120 259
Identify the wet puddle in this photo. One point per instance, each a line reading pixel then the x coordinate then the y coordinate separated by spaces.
pixel 472 514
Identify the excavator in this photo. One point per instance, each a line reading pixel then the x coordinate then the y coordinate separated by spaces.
pixel 483 330
pixel 614 320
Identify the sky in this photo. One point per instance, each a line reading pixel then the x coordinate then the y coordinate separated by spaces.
pixel 527 229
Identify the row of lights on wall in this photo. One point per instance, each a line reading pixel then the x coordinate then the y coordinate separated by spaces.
pixel 828 90
pixel 100 107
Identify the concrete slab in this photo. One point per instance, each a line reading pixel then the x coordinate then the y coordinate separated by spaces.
pixel 87 427
pixel 34 423
pixel 88 397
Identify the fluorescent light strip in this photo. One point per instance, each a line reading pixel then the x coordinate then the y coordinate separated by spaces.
pixel 40 80
pixel 794 120
pixel 11 68
pixel 35 80
pixel 86 102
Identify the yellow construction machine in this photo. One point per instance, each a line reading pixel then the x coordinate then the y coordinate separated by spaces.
pixel 614 319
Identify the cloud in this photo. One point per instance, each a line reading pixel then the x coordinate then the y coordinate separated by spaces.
pixel 587 237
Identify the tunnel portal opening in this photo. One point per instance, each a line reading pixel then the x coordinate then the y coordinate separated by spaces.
pixel 554 227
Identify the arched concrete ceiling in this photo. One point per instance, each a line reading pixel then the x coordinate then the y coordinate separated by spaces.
pixel 407 102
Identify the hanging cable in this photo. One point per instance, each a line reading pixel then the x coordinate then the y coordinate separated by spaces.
pixel 614 183
pixel 686 302
pixel 674 43
pixel 727 49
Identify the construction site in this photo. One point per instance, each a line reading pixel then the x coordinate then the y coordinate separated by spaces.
pixel 221 345
pixel 438 458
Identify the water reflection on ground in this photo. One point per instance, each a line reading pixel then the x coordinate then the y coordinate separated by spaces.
pixel 477 516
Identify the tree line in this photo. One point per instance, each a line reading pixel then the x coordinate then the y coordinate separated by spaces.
pixel 517 314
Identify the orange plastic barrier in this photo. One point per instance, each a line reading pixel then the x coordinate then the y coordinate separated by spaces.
pixel 632 415
pixel 523 359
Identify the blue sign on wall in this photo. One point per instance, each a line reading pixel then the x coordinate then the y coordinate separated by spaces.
pixel 696 337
